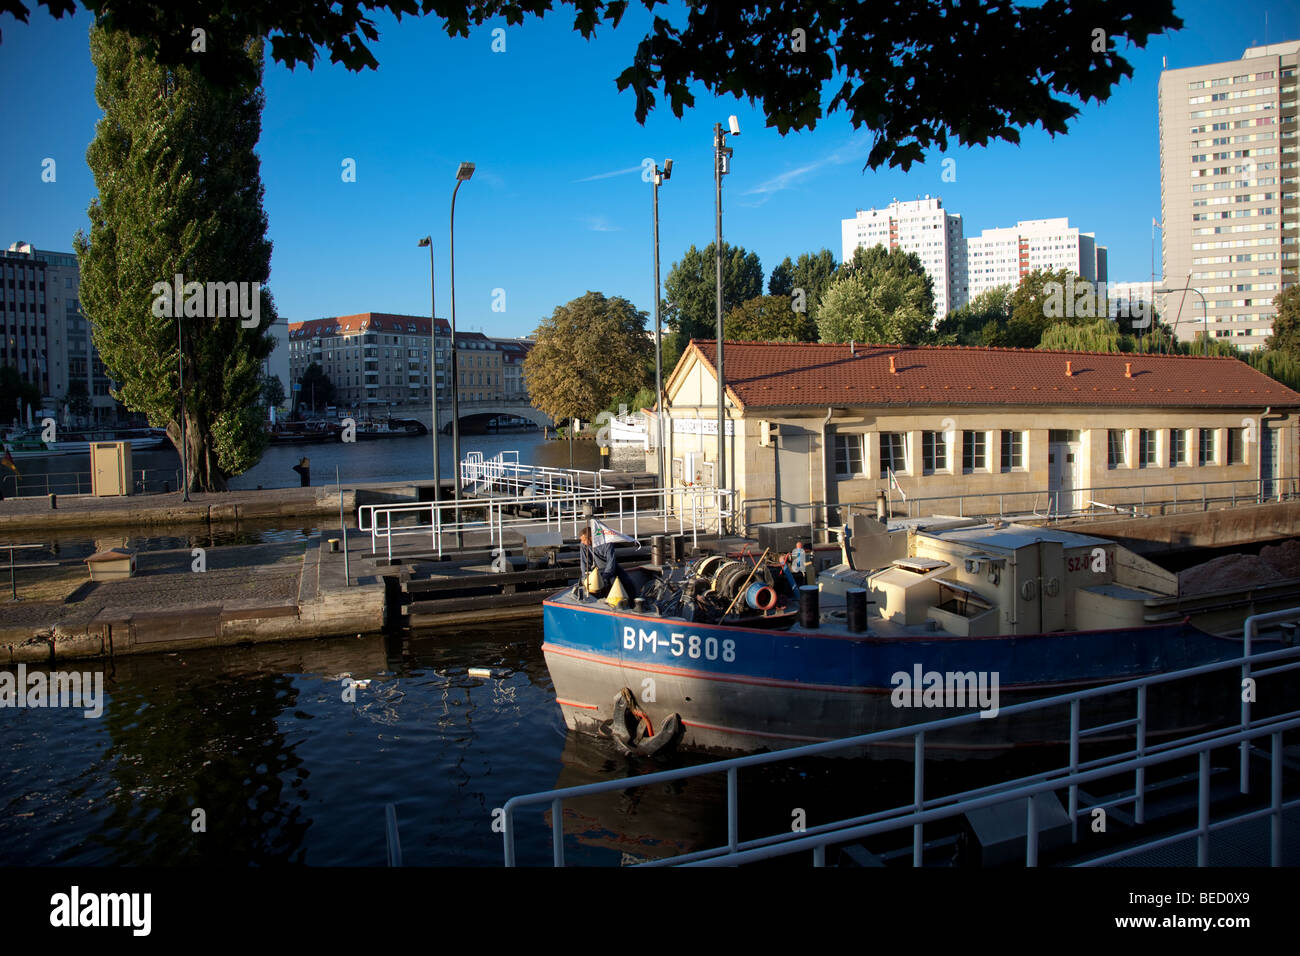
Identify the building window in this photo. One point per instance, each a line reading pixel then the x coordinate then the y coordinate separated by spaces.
pixel 848 455
pixel 892 454
pixel 1206 454
pixel 1013 451
pixel 1236 446
pixel 1178 447
pixel 1147 448
pixel 1115 448
pixel 934 452
pixel 974 451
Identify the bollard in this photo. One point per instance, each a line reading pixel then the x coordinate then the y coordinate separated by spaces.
pixel 334 545
pixel 856 608
pixel 809 614
pixel 54 502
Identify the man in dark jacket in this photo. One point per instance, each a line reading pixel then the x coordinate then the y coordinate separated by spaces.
pixel 601 557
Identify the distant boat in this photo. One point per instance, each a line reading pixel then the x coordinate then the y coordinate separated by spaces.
pixel 302 433
pixel 629 429
pixel 390 428
pixel 26 442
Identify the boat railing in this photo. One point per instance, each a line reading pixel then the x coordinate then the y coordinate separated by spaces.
pixel 144 481
pixel 632 511
pixel 1144 500
pixel 1073 775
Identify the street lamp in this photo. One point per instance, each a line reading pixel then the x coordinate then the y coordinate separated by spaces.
pixel 721 166
pixel 463 174
pixel 180 370
pixel 660 176
pixel 1205 314
pixel 433 369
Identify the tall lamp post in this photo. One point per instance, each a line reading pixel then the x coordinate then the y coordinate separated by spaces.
pixel 721 166
pixel 1205 314
pixel 180 370
pixel 433 369
pixel 463 173
pixel 660 176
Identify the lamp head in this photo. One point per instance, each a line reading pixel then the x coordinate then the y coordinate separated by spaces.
pixel 465 171
pixel 668 169
pixel 733 124
pixel 426 241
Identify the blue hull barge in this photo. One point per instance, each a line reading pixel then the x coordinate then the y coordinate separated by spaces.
pixel 725 655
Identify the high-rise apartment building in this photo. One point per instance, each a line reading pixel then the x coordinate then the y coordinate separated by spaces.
pixel 1004 256
pixel 921 226
pixel 1228 195
pixel 47 339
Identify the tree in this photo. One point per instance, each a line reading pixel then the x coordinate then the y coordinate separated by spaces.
pixel 180 194
pixel 768 318
pixel 879 296
pixel 690 291
pixel 272 391
pixel 811 273
pixel 13 388
pixel 888 311
pixel 1286 324
pixel 990 310
pixel 915 73
pixel 1039 301
pixel 588 352
pixel 1101 335
pixel 317 390
pixel 77 400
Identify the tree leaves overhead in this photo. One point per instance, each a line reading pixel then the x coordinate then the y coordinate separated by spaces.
pixel 917 73
pixel 589 351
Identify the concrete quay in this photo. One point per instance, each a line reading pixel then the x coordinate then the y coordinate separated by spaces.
pixel 247 594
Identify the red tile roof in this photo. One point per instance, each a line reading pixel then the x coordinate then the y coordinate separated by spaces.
pixel 364 321
pixel 788 374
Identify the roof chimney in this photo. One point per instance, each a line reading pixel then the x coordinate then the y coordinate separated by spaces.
pixel 1069 369
pixel 852 352
pixel 893 369
pixel 1128 369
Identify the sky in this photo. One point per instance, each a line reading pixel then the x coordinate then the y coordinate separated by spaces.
pixel 557 206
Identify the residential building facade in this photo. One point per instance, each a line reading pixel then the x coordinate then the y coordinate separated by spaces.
pixel 1228 192
pixel 921 226
pixel 1012 430
pixel 1004 256
pixel 45 335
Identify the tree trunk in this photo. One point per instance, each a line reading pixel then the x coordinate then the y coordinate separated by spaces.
pixel 203 473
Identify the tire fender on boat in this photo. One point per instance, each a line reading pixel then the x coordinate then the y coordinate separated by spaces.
pixel 633 731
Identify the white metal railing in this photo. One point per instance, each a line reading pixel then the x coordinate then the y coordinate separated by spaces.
pixel 630 509
pixel 1133 500
pixel 922 810
pixel 503 474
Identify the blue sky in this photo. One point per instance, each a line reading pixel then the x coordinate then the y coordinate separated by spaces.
pixel 557 206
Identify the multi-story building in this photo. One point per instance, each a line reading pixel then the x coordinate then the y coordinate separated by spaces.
pixel 479 366
pixel 1228 194
pixel 46 337
pixel 373 358
pixel 513 353
pixel 1128 298
pixel 921 226
pixel 1004 256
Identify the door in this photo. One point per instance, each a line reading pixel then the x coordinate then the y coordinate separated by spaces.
pixel 1267 462
pixel 792 484
pixel 1064 494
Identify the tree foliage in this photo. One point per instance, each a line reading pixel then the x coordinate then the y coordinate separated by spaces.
pixel 967 325
pixel 13 388
pixel 915 73
pixel 1286 324
pixel 180 193
pixel 588 352
pixel 879 296
pixel 768 318
pixel 690 292
pixel 813 273
pixel 317 390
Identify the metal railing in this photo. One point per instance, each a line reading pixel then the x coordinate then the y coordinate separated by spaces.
pixel 922 811
pixel 143 480
pixel 631 510
pixel 1131 500
pixel 11 548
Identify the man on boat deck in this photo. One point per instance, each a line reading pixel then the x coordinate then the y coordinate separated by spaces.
pixel 601 557
pixel 798 561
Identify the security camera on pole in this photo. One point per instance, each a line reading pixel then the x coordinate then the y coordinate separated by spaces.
pixel 721 166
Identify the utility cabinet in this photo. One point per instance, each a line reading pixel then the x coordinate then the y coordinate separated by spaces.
pixel 110 468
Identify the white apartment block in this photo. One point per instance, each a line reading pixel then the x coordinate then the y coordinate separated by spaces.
pixel 923 227
pixel 1228 195
pixel 1004 256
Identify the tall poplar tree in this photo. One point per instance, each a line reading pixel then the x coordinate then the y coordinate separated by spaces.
pixel 180 194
